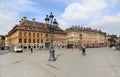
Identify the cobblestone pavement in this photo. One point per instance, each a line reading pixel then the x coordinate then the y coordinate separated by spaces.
pixel 2 52
pixel 99 62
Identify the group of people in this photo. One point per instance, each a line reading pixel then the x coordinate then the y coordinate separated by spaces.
pixel 82 48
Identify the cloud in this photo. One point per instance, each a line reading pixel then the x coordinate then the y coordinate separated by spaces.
pixel 11 11
pixel 110 24
pixel 63 24
pixel 7 20
pixel 113 3
pixel 94 13
pixel 118 14
pixel 84 11
pixel 67 1
pixel 18 5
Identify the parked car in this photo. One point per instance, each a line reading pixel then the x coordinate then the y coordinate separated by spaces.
pixel 112 45
pixel 18 49
pixel 2 48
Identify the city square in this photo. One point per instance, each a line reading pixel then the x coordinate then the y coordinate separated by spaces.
pixel 99 62
pixel 60 38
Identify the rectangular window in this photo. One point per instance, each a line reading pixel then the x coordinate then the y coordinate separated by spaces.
pixel 25 34
pixel 41 41
pixel 37 40
pixel 29 40
pixel 20 33
pixel 33 40
pixel 20 40
pixel 29 34
pixel 25 40
pixel 46 35
pixel 37 34
pixel 33 34
pixel 41 35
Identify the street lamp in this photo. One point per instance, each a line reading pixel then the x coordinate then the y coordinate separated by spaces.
pixel 51 25
pixel 80 39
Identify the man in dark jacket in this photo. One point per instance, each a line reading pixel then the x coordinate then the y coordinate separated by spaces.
pixel 83 50
pixel 31 50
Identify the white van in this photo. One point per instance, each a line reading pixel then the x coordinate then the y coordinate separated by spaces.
pixel 18 49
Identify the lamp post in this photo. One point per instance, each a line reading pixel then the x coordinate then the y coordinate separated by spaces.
pixel 80 39
pixel 51 25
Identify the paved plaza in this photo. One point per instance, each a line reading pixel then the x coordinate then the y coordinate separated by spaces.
pixel 99 62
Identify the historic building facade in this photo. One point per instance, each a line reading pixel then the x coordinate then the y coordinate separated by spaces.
pixel 77 35
pixel 2 41
pixel 35 34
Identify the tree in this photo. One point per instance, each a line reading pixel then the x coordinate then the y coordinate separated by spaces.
pixel 112 40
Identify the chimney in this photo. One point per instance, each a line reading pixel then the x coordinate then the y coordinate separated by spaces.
pixel 24 18
pixel 20 21
pixel 33 19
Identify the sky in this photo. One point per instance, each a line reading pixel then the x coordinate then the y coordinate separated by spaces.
pixel 97 14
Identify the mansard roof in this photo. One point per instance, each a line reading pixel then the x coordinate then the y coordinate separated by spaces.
pixel 81 28
pixel 34 26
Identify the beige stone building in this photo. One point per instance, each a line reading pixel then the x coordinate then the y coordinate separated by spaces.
pixel 90 37
pixel 29 34
pixel 34 34
pixel 2 41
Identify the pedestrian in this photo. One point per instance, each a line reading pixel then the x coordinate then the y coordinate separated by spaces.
pixel 83 50
pixel 31 50
pixel 73 47
pixel 79 49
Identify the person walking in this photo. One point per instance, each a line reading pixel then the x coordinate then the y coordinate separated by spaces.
pixel 73 48
pixel 31 50
pixel 79 48
pixel 83 50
